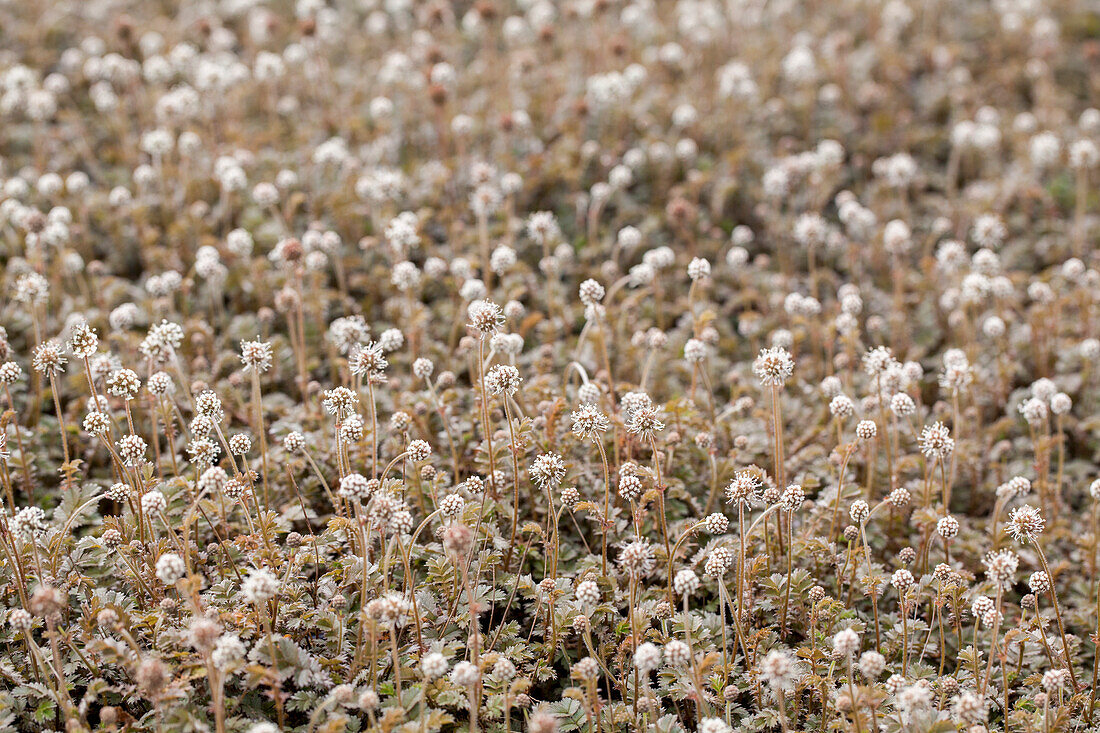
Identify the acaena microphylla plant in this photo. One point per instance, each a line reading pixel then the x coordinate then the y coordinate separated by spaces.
pixel 383 366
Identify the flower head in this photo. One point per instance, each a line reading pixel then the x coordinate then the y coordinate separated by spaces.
pixel 773 367
pixel 589 422
pixel 256 355
pixel 645 422
pixel 486 317
pixel 1025 523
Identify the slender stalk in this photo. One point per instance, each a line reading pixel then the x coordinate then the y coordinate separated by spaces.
pixel 1057 614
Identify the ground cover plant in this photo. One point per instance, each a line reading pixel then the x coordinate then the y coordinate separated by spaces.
pixel 595 365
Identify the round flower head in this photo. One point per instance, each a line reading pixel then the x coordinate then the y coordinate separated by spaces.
pixel 1055 679
pixel 10 372
pixel 97 423
pixel 83 341
pixel 936 441
pixel 1015 486
pixel 160 384
pixel 645 423
pixel 586 669
pixel 209 405
pixel 423 368
pixel 170 568
pixel 433 665
pixel 695 350
pixel 591 292
pixel 589 422
pixel 452 506
pixel 636 558
pixel 153 502
pixel 841 406
pixel 845 643
pixel 118 492
pixel 778 670
pixel 240 444
pixel 866 430
pixel 260 586
pixel 28 522
pixel 419 451
pixel 1039 582
pixel 792 498
pixel 294 441
pixel 633 401
pixel 899 497
pixel 124 383
pixel 485 316
pixel 547 469
pixel 1034 410
pixel 213 479
pixel 902 405
pixel 203 451
pixel 587 592
pixel 902 579
pixel 131 448
pixel 1025 523
pixel 340 401
pixel 31 287
pixel 685 583
pixel 647 657
pixel 351 429
pixel 872 664
pixel 1060 404
pixel 21 620
pixel 713 725
pixel 744 486
pixel 458 539
pixel 256 355
pixel 1000 566
pixel 503 379
pixel 947 527
pixel 465 674
pixel 716 523
pixel 773 367
pixel 368 361
pixel 48 359
pixel 894 683
pixel 718 563
pixel 676 653
pixel 698 269
pixel 542 227
pixel 356 486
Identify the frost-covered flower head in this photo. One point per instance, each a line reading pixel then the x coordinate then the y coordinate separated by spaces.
pixel 547 470
pixel 773 366
pixel 256 355
pixel 645 422
pixel 485 317
pixel 259 586
pixel 1025 523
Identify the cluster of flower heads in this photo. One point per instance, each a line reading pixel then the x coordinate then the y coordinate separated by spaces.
pixel 594 365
